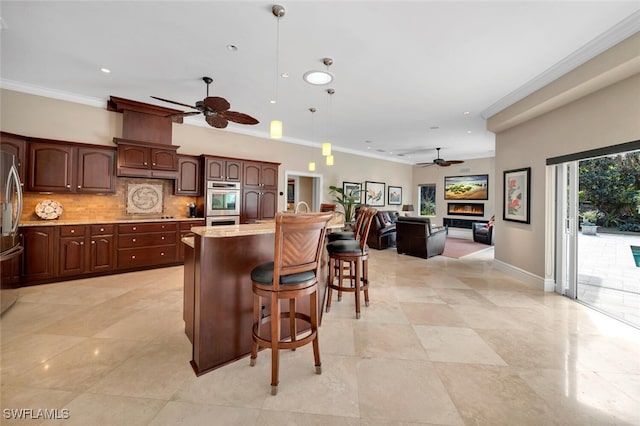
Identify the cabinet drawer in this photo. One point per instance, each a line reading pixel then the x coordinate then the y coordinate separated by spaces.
pixel 139 257
pixel 72 231
pixel 130 228
pixel 186 226
pixel 101 230
pixel 147 240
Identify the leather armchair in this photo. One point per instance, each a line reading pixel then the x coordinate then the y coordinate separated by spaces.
pixel 415 238
pixel 482 233
pixel 382 233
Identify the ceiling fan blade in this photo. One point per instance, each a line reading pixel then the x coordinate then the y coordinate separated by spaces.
pixel 425 164
pixel 444 164
pixel 238 117
pixel 455 161
pixel 174 102
pixel 216 121
pixel 216 104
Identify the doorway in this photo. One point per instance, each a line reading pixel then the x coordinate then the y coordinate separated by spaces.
pixel 303 187
pixel 597 206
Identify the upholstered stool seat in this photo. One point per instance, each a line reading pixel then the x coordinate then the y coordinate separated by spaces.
pixel 351 256
pixel 294 272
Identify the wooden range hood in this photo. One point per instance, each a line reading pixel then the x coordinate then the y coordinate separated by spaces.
pixel 145 149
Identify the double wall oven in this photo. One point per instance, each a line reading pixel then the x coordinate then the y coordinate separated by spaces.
pixel 223 203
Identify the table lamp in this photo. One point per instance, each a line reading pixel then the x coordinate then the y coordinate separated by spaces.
pixel 407 208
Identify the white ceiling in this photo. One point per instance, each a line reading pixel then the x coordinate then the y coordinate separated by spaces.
pixel 400 68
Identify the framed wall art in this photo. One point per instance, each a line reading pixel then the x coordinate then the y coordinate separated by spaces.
pixel 374 193
pixel 517 193
pixel 353 190
pixel 472 187
pixel 394 196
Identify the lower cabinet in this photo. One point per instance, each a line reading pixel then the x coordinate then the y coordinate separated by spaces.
pixel 63 252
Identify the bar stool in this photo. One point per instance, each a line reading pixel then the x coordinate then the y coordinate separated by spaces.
pixel 299 243
pixel 354 255
pixel 349 235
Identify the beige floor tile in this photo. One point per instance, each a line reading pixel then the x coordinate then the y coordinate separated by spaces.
pixel 26 317
pixel 336 336
pixel 463 297
pixel 21 398
pixel 88 321
pixel 143 325
pixel 279 418
pixel 456 344
pixel 396 341
pixel 432 314
pixel 186 414
pixel 418 393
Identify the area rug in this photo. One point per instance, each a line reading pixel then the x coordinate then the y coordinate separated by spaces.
pixel 460 247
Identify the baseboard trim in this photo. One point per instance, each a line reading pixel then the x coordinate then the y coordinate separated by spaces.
pixel 522 275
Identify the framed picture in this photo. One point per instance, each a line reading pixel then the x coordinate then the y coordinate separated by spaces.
pixel 394 196
pixel 517 193
pixel 374 193
pixel 353 189
pixel 472 187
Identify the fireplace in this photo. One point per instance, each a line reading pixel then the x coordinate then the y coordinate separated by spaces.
pixel 465 209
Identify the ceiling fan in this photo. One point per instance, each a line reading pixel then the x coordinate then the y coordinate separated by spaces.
pixel 215 109
pixel 440 161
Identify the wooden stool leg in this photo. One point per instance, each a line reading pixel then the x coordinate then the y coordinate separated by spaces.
pixel 275 339
pixel 313 311
pixel 256 328
pixel 330 283
pixel 340 278
pixel 357 289
pixel 292 321
pixel 365 280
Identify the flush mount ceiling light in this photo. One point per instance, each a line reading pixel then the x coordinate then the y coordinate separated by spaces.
pixel 318 78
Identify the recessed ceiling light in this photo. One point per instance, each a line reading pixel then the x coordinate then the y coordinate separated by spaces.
pixel 232 48
pixel 469 131
pixel 272 101
pixel 466 113
pixel 318 78
pixel 434 127
pixel 105 70
pixel 284 75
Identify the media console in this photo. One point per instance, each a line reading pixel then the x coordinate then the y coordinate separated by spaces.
pixel 460 223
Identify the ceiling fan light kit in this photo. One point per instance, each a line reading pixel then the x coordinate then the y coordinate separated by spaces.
pixel 440 161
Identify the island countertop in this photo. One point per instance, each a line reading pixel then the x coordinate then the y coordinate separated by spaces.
pixel 269 227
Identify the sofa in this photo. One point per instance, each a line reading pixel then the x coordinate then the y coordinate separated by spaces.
pixel 415 237
pixel 483 232
pixel 382 233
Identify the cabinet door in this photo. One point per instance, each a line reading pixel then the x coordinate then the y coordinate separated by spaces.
pixel 215 169
pixel 38 258
pixel 189 180
pixel 95 172
pixel 72 256
pixel 250 205
pixel 102 255
pixel 233 170
pixel 269 177
pixel 164 159
pixel 251 174
pixel 50 167
pixel 268 204
pixel 15 145
pixel 137 157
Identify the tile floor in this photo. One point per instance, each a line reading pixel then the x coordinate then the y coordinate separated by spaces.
pixel 444 342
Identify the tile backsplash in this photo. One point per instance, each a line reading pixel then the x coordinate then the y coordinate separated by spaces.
pixel 108 206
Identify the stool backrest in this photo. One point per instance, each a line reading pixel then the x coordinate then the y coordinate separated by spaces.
pixel 363 232
pixel 328 207
pixel 360 216
pixel 299 243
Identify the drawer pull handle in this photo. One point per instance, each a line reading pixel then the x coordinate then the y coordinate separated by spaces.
pixel 73 231
pixel 79 186
pixel 133 257
pixel 134 240
pixel 101 229
pixel 134 228
pixel 161 254
pixel 162 238
pixel 81 243
pixel 93 242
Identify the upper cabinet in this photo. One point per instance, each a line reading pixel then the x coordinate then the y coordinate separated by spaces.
pixel 64 167
pixel 147 160
pixel 262 175
pixel 189 181
pixel 16 145
pixel 219 168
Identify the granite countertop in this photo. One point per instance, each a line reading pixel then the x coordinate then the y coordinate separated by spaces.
pixel 59 222
pixel 264 227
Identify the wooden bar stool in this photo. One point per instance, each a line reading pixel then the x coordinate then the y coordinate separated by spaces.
pixel 354 256
pixel 349 235
pixel 299 244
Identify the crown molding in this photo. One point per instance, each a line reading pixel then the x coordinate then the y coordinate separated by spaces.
pixel 623 30
pixel 31 89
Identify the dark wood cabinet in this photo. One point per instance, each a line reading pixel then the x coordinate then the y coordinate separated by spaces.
pixel 185 231
pixel 102 248
pixel 16 145
pixel 39 250
pixel 62 167
pixel 144 159
pixel 189 181
pixel 142 245
pixel 260 191
pixel 219 168
pixel 72 250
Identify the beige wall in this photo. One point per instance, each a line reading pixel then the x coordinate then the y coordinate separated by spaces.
pixel 607 116
pixel 38 116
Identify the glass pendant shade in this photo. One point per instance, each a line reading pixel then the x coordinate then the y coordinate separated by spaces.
pixel 275 129
pixel 312 166
pixel 329 160
pixel 326 148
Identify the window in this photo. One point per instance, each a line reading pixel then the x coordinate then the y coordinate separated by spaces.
pixel 427 196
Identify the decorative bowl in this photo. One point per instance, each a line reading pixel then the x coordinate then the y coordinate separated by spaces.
pixel 49 209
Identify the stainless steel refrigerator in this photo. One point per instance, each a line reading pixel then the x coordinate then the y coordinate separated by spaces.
pixel 10 247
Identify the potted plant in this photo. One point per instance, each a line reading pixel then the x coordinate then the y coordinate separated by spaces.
pixel 588 224
pixel 348 201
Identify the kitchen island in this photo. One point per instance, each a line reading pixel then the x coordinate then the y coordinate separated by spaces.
pixel 218 300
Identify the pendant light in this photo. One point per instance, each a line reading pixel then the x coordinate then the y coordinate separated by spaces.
pixel 312 164
pixel 326 146
pixel 275 127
